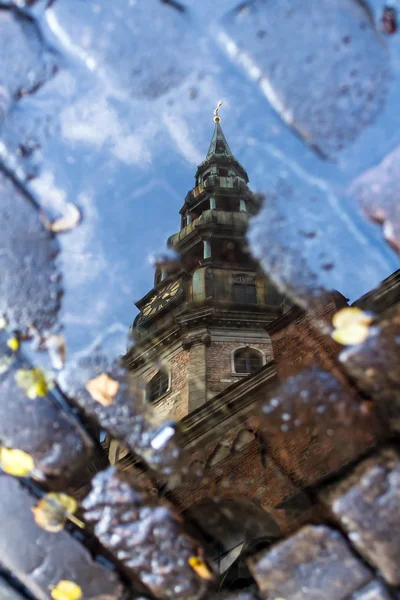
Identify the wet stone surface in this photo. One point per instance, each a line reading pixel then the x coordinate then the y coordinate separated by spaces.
pixel 374 365
pixel 146 536
pixel 58 445
pixel 314 425
pixel 377 191
pixel 373 591
pixel 336 85
pixel 367 505
pixel 29 285
pixel 40 559
pixel 7 592
pixel 127 418
pixel 295 241
pixel 243 595
pixel 26 63
pixel 316 562
pixel 140 60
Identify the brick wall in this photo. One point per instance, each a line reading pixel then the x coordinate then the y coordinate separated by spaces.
pixel 174 404
pixel 304 341
pixel 219 363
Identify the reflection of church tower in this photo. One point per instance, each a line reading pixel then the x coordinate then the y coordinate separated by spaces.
pixel 202 327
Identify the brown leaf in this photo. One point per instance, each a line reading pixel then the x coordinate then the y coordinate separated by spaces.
pixel 103 389
pixel 55 344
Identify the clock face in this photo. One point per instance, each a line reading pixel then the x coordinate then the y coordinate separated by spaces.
pixel 161 299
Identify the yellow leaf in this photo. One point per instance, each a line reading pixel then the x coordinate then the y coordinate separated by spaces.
pixel 16 462
pixel 52 511
pixel 103 389
pixel 34 382
pixel 13 343
pixel 200 567
pixel 356 333
pixel 349 316
pixel 66 590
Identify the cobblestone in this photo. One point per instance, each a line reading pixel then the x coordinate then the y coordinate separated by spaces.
pixel 26 62
pixel 7 592
pixel 374 365
pixel 29 288
pixel 348 66
pixel 147 536
pixel 41 559
pixel 314 426
pixel 315 562
pixel 367 506
pixel 58 445
pixel 374 591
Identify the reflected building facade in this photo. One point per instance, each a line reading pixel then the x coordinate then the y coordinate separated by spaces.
pixel 212 342
pixel 202 327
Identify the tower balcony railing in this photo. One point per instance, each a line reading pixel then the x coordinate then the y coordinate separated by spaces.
pixel 232 220
pixel 216 182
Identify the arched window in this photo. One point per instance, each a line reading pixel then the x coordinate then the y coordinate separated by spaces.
pixel 158 385
pixel 247 360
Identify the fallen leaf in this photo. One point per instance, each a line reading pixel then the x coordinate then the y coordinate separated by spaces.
pixel 13 343
pixel 351 326
pixel 356 333
pixel 200 567
pixel 16 462
pixel 34 382
pixel 52 511
pixel 55 344
pixel 3 322
pixel 349 316
pixel 67 222
pixel 66 590
pixel 103 389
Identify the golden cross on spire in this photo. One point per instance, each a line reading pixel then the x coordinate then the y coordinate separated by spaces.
pixel 217 118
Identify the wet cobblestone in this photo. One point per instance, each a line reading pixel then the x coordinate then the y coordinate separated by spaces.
pixel 367 506
pixel 40 559
pixel 147 536
pixel 315 561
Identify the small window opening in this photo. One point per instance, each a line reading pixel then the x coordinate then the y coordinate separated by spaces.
pixel 247 360
pixel 158 385
pixel 244 293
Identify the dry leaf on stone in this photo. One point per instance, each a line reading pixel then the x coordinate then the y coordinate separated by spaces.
pixel 55 345
pixel 350 315
pixel 67 222
pixel 52 511
pixel 351 326
pixel 16 462
pixel 103 389
pixel 66 590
